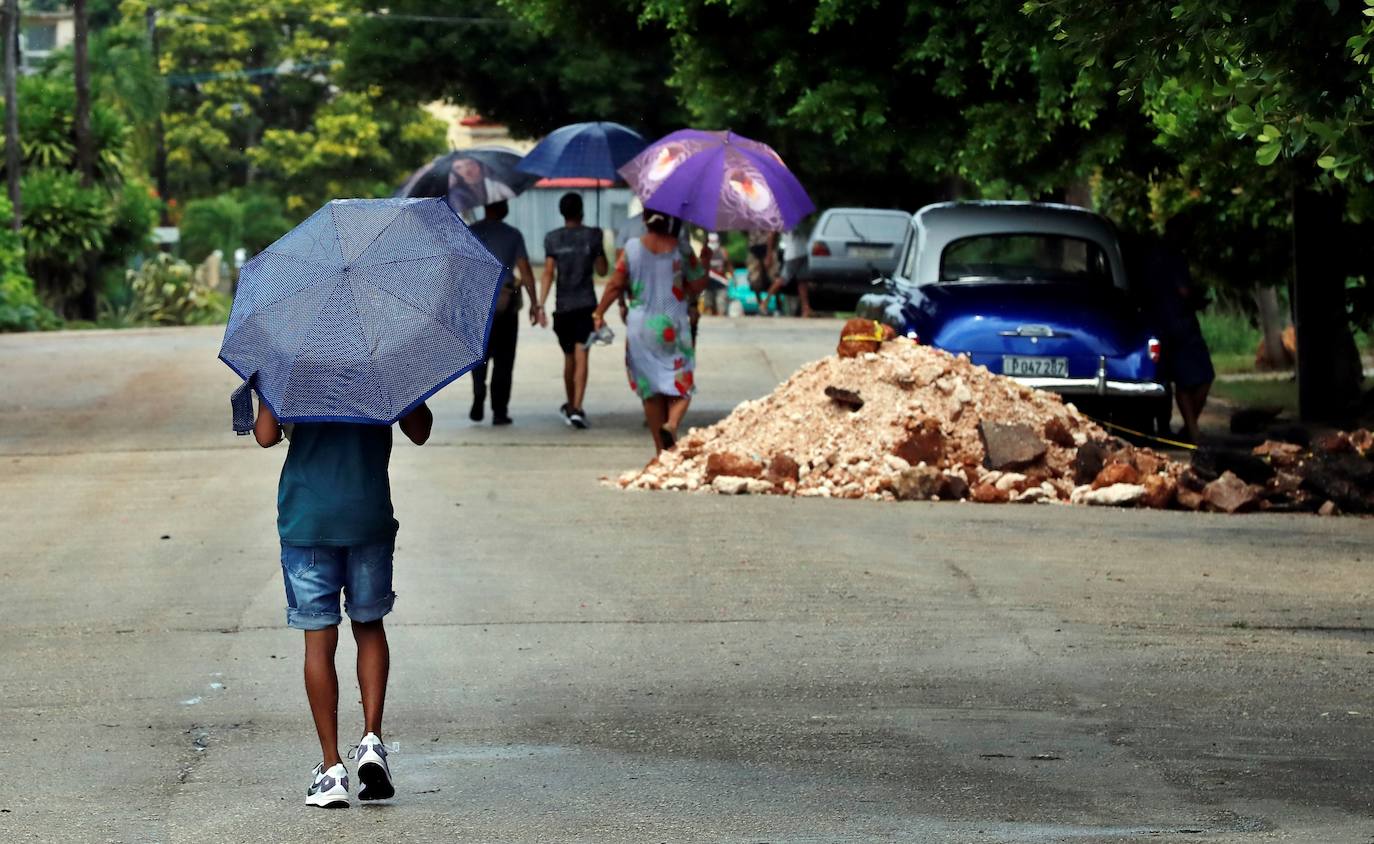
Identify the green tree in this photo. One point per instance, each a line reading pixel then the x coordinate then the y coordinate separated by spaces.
pixel 583 60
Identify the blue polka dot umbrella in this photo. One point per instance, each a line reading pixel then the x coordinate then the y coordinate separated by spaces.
pixel 360 313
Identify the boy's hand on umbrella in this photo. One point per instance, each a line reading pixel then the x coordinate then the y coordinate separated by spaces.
pixel 598 320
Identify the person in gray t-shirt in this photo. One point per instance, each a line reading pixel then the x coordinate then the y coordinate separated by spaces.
pixel 506 243
pixel 573 253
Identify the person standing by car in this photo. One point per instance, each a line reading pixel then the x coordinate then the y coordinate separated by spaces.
pixel 508 245
pixel 762 264
pixel 573 253
pixel 1172 301
pixel 791 281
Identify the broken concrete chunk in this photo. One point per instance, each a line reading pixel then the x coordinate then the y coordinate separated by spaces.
pixel 845 398
pixel 1116 473
pixel 1012 446
pixel 924 443
pixel 1116 495
pixel 732 465
pixel 917 483
pixel 730 485
pixel 1230 494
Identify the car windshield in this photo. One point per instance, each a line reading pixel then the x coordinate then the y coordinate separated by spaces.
pixel 1025 257
pixel 866 228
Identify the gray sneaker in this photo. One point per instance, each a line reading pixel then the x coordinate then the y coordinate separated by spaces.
pixel 578 419
pixel 374 773
pixel 328 789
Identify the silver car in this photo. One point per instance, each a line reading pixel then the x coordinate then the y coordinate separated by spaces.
pixel 850 247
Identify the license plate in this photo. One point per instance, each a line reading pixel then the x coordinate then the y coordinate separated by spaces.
pixel 1016 365
pixel 870 251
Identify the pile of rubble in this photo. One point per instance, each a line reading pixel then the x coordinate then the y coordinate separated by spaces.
pixel 892 420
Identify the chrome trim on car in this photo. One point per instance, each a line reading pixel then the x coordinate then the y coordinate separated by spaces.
pixel 1100 386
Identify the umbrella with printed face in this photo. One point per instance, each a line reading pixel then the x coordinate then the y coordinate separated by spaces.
pixel 360 313
pixel 719 181
pixel 471 178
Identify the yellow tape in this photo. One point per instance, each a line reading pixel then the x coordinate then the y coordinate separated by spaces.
pixel 1113 425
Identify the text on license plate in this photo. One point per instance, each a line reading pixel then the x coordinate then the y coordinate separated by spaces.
pixel 870 251
pixel 1016 365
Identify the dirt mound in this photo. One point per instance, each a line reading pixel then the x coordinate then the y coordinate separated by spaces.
pixel 911 422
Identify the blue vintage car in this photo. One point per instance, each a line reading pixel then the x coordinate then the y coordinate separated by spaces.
pixel 1034 291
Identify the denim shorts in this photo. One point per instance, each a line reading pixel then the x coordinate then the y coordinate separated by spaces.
pixel 315 576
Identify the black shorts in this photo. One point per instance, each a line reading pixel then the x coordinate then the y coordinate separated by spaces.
pixel 573 328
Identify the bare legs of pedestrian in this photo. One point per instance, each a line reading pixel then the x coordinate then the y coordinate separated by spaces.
pixel 322 682
pixel 575 376
pixel 1191 401
pixel 664 415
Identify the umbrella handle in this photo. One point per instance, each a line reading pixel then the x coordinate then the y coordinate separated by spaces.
pixel 241 402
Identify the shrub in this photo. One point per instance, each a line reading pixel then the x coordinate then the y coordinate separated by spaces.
pixel 20 309
pixel 167 291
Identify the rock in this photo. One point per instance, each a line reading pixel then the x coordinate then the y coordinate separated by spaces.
pixel 782 469
pixel 860 336
pixel 1189 499
pixel 1116 473
pixel 1285 483
pixel 953 488
pixel 675 483
pixel 730 485
pixel 1159 492
pixel 1362 440
pixel 1057 432
pixel 1146 462
pixel 1011 446
pixel 895 463
pixel 1190 479
pixel 756 486
pixel 918 483
pixel 1011 482
pixel 1212 463
pixel 845 398
pixel 1328 509
pixel 1229 494
pixel 1088 463
pixel 732 465
pixel 1116 495
pixel 1034 495
pixel 989 494
pixel 1279 454
pixel 962 394
pixel 924 443
pixel 1338 478
pixel 1335 442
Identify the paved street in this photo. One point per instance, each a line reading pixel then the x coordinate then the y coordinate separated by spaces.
pixel 576 663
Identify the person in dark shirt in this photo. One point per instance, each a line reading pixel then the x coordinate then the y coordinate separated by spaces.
pixel 338 532
pixel 573 254
pixel 506 243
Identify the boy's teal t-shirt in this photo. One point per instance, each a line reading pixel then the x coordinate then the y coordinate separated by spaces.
pixel 334 487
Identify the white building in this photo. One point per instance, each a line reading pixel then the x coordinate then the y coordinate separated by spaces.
pixel 41 34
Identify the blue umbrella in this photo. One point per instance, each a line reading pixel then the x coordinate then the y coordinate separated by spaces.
pixel 584 150
pixel 360 313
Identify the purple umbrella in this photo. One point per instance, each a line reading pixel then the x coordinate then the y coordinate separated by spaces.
pixel 719 181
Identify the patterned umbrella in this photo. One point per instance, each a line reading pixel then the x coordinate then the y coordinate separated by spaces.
pixel 719 181
pixel 471 178
pixel 360 313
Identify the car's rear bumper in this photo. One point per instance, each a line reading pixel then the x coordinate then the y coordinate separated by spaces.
pixel 1099 386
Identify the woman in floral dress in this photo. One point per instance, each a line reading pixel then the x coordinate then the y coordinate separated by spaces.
pixel 662 277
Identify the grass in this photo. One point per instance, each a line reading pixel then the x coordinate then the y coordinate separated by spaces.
pixel 1282 392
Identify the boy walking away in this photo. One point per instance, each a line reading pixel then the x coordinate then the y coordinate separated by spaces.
pixel 338 533
pixel 508 245
pixel 574 252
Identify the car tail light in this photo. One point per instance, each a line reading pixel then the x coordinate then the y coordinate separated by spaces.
pixel 820 250
pixel 1153 348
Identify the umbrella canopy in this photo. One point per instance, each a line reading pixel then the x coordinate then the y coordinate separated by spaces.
pixel 360 313
pixel 592 150
pixel 719 181
pixel 471 178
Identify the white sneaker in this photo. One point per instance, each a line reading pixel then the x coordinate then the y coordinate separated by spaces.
pixel 374 774
pixel 328 789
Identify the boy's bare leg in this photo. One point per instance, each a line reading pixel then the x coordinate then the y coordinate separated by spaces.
pixel 322 690
pixel 677 408
pixel 579 379
pixel 656 414
pixel 374 664
pixel 569 379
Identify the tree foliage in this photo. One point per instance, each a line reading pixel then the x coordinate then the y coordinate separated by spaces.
pixel 583 60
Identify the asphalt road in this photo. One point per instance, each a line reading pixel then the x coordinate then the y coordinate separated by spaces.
pixel 576 663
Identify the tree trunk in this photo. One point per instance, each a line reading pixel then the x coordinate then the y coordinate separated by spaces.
pixel 160 147
pixel 12 151
pixel 85 148
pixel 1329 370
pixel 1272 321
